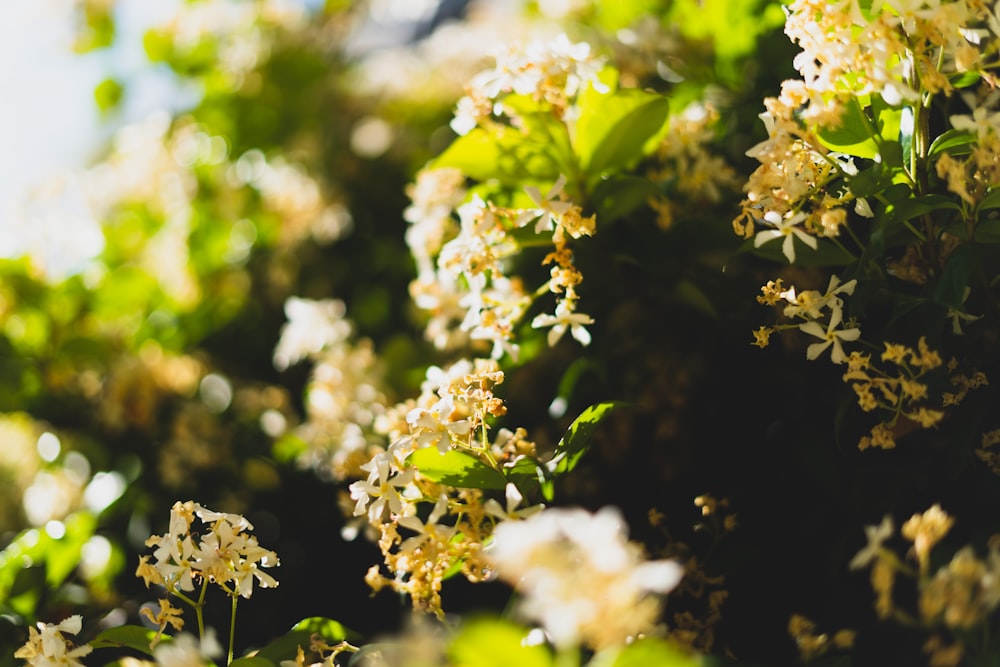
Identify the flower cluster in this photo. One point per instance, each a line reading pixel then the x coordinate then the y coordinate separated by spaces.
pixel 466 247
pixel 553 72
pixel 225 555
pixel 452 414
pixel 580 577
pixel 899 388
pixel 469 293
pixel 344 395
pixel 685 164
pixel 958 596
pixel 820 314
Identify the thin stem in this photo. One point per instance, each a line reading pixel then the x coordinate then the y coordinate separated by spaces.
pixel 232 629
pixel 199 606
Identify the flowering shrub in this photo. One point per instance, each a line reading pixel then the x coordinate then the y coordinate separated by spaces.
pixel 585 335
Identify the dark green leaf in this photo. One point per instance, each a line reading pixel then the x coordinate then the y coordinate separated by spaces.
pixel 127 636
pixel 455 468
pixel 528 475
pixel 988 231
pixel 914 207
pixel 869 181
pixel 253 661
pixel 949 288
pixel 953 142
pixel 826 253
pixel 990 201
pixel 617 197
pixel 286 646
pixel 575 443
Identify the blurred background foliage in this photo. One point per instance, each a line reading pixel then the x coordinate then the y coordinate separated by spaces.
pixel 136 346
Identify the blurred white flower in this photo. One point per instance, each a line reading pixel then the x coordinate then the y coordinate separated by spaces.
pixel 580 577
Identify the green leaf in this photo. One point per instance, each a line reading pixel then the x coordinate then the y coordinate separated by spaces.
pixel 127 636
pixel 507 155
pixel 953 142
pixel 331 630
pixel 987 231
pixel 575 443
pixel 826 253
pixel 869 181
pixel 63 555
pixel 618 196
pixel 914 207
pixel 108 95
pixel 528 475
pixel 949 288
pixel 647 652
pixel 853 136
pixel 990 201
pixel 496 643
pixel 253 661
pixel 286 646
pixel 689 293
pixel 964 79
pixel 456 468
pixel 616 129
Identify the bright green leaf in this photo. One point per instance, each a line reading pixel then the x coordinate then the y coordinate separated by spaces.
pixel 455 468
pixel 506 155
pixel 496 643
pixel 853 136
pixel 331 630
pixel 108 95
pixel 647 652
pixel 616 129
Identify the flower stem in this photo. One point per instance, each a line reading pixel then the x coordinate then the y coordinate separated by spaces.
pixel 232 629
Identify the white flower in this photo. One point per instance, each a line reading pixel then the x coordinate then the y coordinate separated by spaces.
pixel 876 535
pixel 580 577
pixel 549 209
pixel 380 490
pixel 312 326
pixel 786 228
pixel 46 646
pixel 830 336
pixel 187 651
pixel 563 319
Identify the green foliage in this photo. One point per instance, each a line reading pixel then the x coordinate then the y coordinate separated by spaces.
pixel 134 637
pixel 455 468
pixel 577 440
pixel 35 561
pixel 493 643
pixel 617 129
